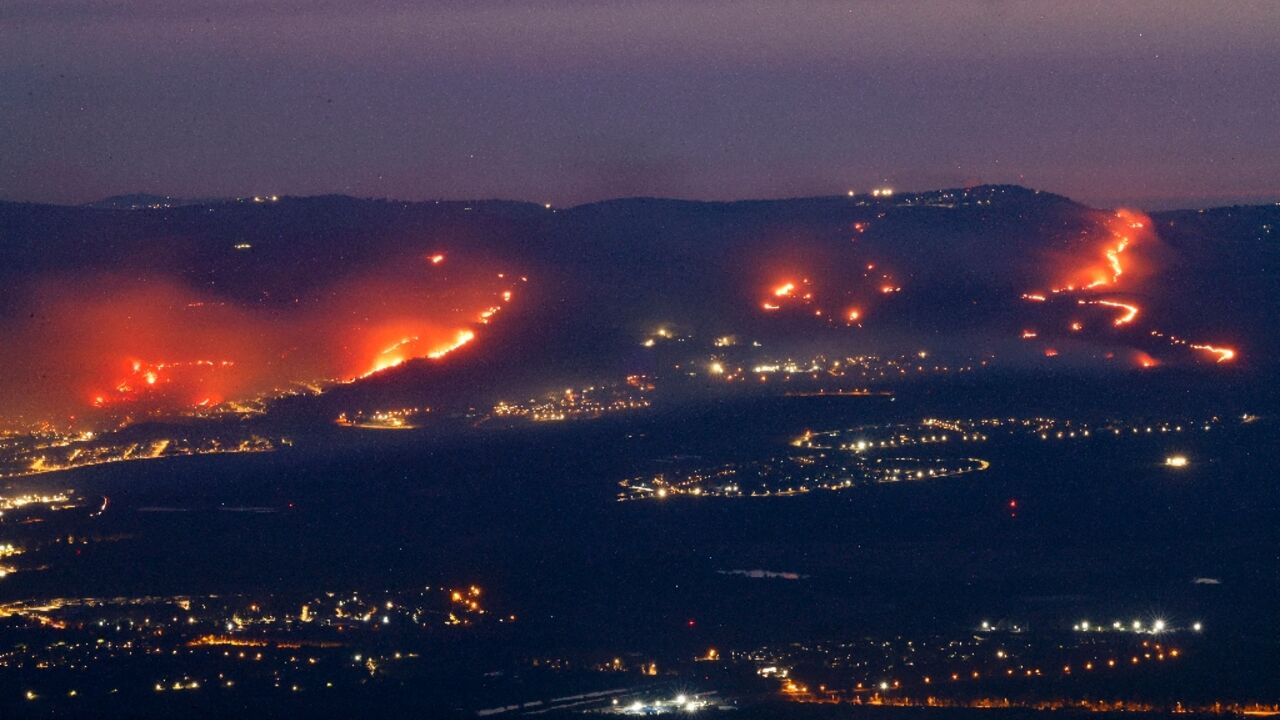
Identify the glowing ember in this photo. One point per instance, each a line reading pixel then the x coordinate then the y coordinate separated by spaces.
pixel 1146 361
pixel 399 344
pixel 784 290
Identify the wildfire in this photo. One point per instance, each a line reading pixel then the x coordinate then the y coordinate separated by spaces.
pixel 1126 228
pixel 399 344
pixel 789 292
pixel 400 351
pixel 1107 271
pixel 1224 354
pixel 1129 311
pixel 153 378
pixel 1113 258
pixel 119 348
pixel 463 337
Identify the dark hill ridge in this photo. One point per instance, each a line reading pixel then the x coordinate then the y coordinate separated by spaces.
pixel 602 275
pixel 146 201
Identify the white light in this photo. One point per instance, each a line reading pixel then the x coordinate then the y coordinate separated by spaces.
pixel 884 686
pixel 1159 626
pixel 680 700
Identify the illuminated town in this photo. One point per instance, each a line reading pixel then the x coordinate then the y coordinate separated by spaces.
pixel 34 455
pixel 228 644
pixel 836 460
pixel 398 419
pixel 581 403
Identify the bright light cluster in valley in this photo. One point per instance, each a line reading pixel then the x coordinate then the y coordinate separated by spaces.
pixel 287 643
pixel 933 449
pixel 581 403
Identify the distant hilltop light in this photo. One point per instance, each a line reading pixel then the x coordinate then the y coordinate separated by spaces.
pixel 882 192
pixel 1176 461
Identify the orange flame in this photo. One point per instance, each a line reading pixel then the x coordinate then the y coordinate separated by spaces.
pixel 1127 316
pixel 1224 354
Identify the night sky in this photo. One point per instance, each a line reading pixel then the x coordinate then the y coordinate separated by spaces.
pixel 1155 104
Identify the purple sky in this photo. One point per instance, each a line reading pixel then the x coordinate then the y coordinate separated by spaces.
pixel 565 101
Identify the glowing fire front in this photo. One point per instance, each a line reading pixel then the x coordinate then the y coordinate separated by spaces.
pixel 119 348
pixel 406 349
pixel 1109 268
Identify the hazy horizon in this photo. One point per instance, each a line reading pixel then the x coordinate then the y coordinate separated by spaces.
pixel 1143 104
